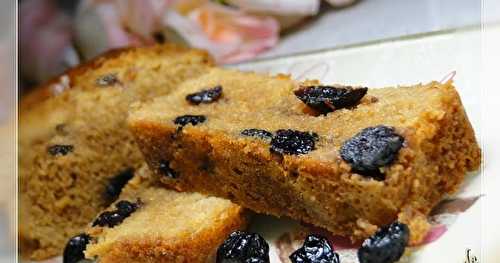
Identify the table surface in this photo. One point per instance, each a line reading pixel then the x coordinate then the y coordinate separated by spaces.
pixel 370 20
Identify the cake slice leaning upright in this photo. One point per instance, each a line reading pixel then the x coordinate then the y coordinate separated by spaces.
pixel 349 159
pixel 75 152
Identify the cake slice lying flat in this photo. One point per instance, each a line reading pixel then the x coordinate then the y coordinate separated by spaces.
pixel 331 156
pixel 166 226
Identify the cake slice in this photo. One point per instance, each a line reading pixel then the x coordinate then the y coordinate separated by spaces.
pixel 165 225
pixel 348 159
pixel 75 152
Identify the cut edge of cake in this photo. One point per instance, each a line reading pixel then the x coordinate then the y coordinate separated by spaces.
pixel 141 237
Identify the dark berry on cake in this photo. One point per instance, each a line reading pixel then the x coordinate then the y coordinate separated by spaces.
pixel 107 80
pixel 372 148
pixel 59 149
pixel 165 169
pixel 189 119
pixel 293 142
pixel 73 252
pixel 205 96
pixel 325 99
pixel 262 134
pixel 126 208
pixel 113 218
pixel 116 183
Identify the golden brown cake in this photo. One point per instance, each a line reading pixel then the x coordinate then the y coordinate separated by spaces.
pixel 75 152
pixel 349 165
pixel 168 226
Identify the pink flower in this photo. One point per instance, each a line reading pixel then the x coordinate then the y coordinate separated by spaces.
pixel 125 23
pixel 44 40
pixel 230 35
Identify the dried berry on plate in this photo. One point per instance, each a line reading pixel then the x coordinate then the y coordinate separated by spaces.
pixel 243 247
pixel 316 249
pixel 387 245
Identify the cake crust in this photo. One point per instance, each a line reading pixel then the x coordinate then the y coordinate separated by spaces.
pixel 319 187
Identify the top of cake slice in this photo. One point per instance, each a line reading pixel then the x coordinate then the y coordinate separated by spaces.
pixel 255 101
pixel 108 69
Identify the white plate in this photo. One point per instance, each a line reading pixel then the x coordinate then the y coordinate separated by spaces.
pixel 405 61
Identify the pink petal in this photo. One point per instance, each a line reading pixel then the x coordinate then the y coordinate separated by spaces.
pixel 455 205
pixel 116 35
pixel 141 16
pixel 229 35
pixel 44 33
pixel 434 234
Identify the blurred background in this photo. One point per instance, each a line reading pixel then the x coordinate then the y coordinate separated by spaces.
pixel 55 35
pixel 233 31
pixel 7 131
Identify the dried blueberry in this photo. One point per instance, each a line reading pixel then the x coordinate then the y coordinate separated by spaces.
pixel 316 249
pixel 107 218
pixel 387 245
pixel 372 148
pixel 116 217
pixel 115 184
pixel 189 119
pixel 326 99
pixel 263 134
pixel 293 142
pixel 243 247
pixel 59 149
pixel 205 96
pixel 73 252
pixel 126 208
pixel 107 80
pixel 165 169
